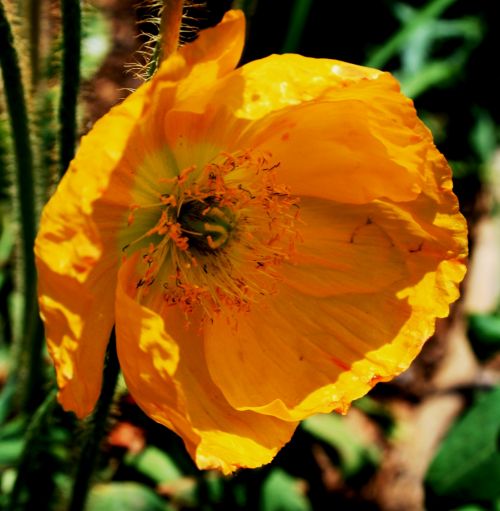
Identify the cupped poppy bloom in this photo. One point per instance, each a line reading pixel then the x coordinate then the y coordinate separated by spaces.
pixel 269 241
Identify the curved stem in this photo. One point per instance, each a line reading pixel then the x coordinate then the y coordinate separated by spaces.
pixel 71 22
pixel 96 429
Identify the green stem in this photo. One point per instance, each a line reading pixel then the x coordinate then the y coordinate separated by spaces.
pixel 300 12
pixel 97 427
pixel 170 26
pixel 30 449
pixel 18 116
pixel 171 21
pixel 71 22
pixel 154 62
pixel 34 379
pixel 19 123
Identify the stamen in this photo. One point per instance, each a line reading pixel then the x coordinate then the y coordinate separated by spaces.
pixel 181 178
pixel 224 230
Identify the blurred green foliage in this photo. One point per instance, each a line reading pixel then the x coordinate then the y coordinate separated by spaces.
pixel 353 454
pixel 484 331
pixel 125 497
pixel 282 492
pixel 96 40
pixel 467 465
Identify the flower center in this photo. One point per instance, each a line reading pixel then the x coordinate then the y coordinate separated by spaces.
pixel 207 228
pixel 220 234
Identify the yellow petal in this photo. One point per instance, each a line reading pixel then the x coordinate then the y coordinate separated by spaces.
pixel 77 257
pixel 291 80
pixel 164 142
pixel 370 279
pixel 368 283
pixel 78 320
pixel 182 81
pixel 291 353
pixel 312 116
pixel 340 243
pixel 349 149
pixel 165 369
pixel 382 252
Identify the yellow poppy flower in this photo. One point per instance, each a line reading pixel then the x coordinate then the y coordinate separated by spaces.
pixel 270 242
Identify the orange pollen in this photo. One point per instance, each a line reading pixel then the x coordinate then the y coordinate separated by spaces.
pixel 221 235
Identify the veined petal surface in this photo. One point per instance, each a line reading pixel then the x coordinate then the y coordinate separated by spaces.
pixel 355 304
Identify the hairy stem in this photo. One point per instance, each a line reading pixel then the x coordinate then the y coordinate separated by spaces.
pixel 34 13
pixel 27 360
pixel 96 429
pixel 171 20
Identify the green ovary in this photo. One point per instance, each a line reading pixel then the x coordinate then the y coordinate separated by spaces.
pixel 208 228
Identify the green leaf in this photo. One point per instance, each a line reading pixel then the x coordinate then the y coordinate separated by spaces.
pixel 7 480
pixel 470 507
pixel 7 237
pixel 155 464
pixel 487 327
pixel 468 462
pixel 214 486
pixel 400 39
pixel 424 30
pixel 484 332
pixel 300 12
pixel 11 442
pixel 433 73
pixel 282 492
pixel 484 135
pixel 333 430
pixel 124 497
pixel 10 450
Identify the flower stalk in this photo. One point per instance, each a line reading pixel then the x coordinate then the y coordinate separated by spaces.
pixel 70 81
pixel 25 203
pixel 96 429
pixel 34 16
pixel 171 20
pixel 168 41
